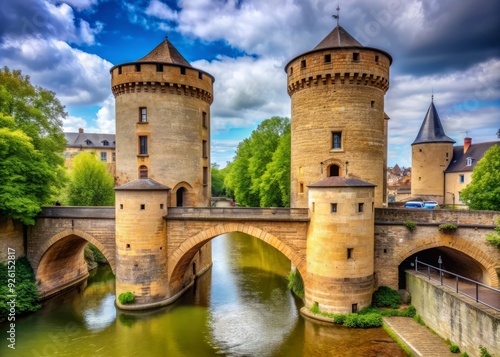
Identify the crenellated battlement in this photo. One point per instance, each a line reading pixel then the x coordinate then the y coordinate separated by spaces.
pixel 365 79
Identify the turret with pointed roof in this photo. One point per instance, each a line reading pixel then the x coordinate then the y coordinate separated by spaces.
pixel 432 152
pixel 338 122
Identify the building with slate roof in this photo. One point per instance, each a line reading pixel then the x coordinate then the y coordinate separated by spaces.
pixel 440 170
pixel 101 145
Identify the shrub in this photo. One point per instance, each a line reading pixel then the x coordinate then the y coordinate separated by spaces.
pixel 447 227
pixel 464 354
pixel 386 297
pixel 410 225
pixel 339 318
pixel 126 298
pixel 494 238
pixel 484 352
pixel 454 349
pixel 363 321
pixel 295 283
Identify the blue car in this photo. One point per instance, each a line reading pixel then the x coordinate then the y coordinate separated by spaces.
pixel 414 204
pixel 430 204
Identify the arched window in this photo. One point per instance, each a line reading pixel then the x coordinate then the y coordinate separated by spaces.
pixel 180 196
pixel 143 172
pixel 333 170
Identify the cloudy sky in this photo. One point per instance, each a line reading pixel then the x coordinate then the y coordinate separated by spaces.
pixel 446 47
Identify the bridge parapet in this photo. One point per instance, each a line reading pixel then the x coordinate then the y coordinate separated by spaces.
pixel 238 214
pixel 77 212
pixel 436 216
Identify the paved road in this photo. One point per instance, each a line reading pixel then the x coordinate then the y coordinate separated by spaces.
pixel 420 340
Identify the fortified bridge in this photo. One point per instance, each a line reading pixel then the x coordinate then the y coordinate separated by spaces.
pixel 55 243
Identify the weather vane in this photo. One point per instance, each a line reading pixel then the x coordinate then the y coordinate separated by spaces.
pixel 337 17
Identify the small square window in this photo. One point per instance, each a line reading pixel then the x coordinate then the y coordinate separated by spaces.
pixel 355 56
pixel 303 64
pixel 143 206
pixel 183 70
pixel 333 207
pixel 161 205
pixel 461 178
pixel 328 58
pixel 121 206
pixel 360 207
pixel 350 251
pixel 372 104
pixel 127 246
pixel 354 308
pixel 137 67
pixel 159 67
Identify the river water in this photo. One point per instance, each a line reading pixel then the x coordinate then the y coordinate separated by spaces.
pixel 241 307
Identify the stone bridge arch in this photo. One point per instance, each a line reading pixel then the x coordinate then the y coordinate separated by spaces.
pixel 59 261
pixel 180 258
pixel 489 264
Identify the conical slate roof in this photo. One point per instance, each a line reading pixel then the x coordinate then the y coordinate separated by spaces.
pixel 338 38
pixel 431 130
pixel 142 185
pixel 165 52
pixel 337 181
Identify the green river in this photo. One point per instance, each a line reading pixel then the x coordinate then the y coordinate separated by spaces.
pixel 241 307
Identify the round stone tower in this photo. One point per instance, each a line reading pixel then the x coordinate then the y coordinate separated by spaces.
pixel 431 154
pixel 163 124
pixel 340 243
pixel 338 123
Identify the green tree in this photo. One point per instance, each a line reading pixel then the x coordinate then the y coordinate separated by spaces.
pixel 218 189
pixel 31 121
pixel 275 183
pixel 90 182
pixel 483 193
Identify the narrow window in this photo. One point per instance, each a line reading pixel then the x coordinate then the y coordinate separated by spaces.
pixel 354 308
pixel 446 154
pixel 104 156
pixel 143 206
pixel 385 251
pixel 376 59
pixel 121 205
pixel 200 75
pixel 333 207
pixel 204 119
pixel 143 172
pixel 301 187
pixel 372 104
pixel 161 207
pixel 355 56
pixel 183 71
pixel 120 70
pixel 291 70
pixel 328 58
pixel 205 176
pixel 143 145
pixel 336 140
pixel 303 64
pixel 349 253
pixel 143 115
pixel 159 67
pixel 360 207
pixel 461 178
pixel 313 207
pixel 205 148
pixel 419 178
pixel 113 156
pixel 137 67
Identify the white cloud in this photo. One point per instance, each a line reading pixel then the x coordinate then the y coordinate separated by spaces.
pixel 158 9
pixel 81 4
pixel 106 116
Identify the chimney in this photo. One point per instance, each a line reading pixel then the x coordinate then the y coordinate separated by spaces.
pixel 467 144
pixel 80 131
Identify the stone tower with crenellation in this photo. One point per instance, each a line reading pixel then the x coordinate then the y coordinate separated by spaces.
pixel 162 160
pixel 338 123
pixel 338 164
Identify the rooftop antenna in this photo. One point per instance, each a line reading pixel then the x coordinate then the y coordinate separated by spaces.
pixel 432 96
pixel 337 17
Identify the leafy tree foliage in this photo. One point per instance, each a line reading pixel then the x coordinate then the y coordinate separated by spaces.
pixel 483 193
pixel 27 299
pixel 31 146
pixel 90 182
pixel 218 188
pixel 259 174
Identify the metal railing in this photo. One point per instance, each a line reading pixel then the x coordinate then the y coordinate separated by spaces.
pixel 481 293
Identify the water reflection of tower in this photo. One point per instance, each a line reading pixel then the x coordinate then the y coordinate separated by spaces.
pixel 338 164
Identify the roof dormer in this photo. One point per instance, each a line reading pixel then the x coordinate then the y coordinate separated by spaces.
pixel 88 142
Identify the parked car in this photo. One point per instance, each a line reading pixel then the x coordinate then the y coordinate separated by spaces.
pixel 430 204
pixel 414 204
